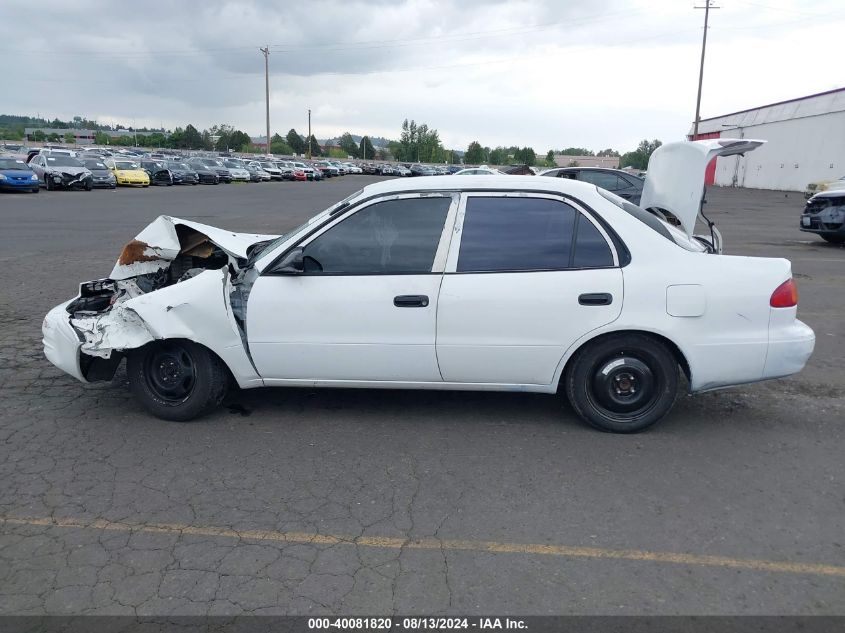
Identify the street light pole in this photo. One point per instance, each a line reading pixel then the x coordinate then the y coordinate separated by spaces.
pixel 266 52
pixel 309 133
pixel 706 8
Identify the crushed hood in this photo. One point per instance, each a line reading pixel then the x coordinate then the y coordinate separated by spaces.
pixel 675 178
pixel 166 238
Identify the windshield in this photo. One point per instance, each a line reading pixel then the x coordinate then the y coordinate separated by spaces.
pixel 94 164
pixel 125 164
pixel 229 163
pixel 175 165
pixel 268 165
pixel 63 161
pixel 317 218
pixel 11 163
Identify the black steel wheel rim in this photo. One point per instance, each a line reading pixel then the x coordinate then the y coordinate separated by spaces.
pixel 624 386
pixel 170 373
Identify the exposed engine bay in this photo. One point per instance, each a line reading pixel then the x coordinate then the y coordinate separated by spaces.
pixel 159 273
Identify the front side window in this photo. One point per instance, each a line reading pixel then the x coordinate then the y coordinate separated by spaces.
pixel 391 237
pixel 506 234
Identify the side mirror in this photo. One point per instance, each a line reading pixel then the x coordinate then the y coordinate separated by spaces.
pixel 291 264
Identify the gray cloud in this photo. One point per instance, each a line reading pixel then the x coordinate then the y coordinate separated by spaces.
pixel 539 72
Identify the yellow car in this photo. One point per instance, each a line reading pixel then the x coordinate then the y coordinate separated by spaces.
pixel 128 172
pixel 823 185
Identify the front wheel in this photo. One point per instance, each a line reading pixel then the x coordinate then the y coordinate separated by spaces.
pixel 623 383
pixel 834 239
pixel 177 380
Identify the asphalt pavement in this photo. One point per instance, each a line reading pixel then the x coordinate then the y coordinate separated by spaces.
pixel 378 502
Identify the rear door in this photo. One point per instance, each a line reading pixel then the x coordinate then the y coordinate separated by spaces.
pixel 527 275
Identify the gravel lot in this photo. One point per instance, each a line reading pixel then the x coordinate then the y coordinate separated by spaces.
pixel 380 502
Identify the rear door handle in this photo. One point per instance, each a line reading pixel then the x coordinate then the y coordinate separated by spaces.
pixel 411 301
pixel 595 299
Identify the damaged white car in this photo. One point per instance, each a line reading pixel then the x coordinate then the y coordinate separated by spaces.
pixel 478 283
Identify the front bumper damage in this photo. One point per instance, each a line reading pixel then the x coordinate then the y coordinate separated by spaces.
pixel 68 180
pixel 173 281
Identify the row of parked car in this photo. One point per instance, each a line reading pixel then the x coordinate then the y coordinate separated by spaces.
pixel 62 168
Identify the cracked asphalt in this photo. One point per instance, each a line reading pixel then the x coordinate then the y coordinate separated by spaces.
pixel 303 501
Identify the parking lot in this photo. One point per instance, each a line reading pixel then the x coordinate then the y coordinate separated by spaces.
pixel 379 502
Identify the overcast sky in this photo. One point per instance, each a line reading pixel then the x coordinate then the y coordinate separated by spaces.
pixel 543 73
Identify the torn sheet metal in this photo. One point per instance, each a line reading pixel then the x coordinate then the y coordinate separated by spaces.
pixel 118 329
pixel 166 238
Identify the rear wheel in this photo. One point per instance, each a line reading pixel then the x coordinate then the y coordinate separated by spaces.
pixel 622 383
pixel 834 239
pixel 36 190
pixel 177 380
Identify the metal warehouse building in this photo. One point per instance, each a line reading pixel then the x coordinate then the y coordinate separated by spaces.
pixel 806 142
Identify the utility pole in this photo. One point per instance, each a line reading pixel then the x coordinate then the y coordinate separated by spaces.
pixel 707 6
pixel 266 51
pixel 309 133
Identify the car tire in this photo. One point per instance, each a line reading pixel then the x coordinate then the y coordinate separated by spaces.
pixel 177 380
pixel 36 190
pixel 89 187
pixel 622 383
pixel 834 239
pixel 49 183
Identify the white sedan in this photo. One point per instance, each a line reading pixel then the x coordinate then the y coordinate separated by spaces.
pixel 478 283
pixel 479 171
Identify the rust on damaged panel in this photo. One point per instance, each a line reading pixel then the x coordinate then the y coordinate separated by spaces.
pixel 136 251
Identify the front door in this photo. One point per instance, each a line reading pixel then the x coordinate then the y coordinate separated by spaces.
pixel 364 307
pixel 527 276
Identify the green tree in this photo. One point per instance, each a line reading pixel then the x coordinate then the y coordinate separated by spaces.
pixel 499 156
pixel 238 140
pixel 70 138
pixel 550 159
pixel 474 154
pixel 296 142
pixel 608 152
pixel 192 139
pixel 101 138
pixel 278 145
pixel 316 150
pixel 53 137
pixel 524 156
pixel 366 149
pixel 576 151
pixel 638 159
pixel 348 145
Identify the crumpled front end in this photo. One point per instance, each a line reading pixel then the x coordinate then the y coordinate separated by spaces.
pixel 174 280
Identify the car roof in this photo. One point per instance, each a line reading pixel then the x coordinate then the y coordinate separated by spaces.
pixel 487 182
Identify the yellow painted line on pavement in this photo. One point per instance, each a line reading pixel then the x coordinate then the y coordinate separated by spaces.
pixel 383 542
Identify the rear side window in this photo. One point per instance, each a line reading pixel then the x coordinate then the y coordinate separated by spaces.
pixel 591 249
pixel 603 180
pixel 391 237
pixel 503 234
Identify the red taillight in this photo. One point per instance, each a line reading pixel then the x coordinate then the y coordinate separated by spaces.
pixel 785 295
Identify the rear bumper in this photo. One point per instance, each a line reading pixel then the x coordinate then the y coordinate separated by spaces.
pixel 789 350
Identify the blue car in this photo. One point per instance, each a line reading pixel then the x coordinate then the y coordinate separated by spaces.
pixel 15 175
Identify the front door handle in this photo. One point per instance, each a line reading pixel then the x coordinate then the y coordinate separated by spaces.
pixel 411 301
pixel 595 299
